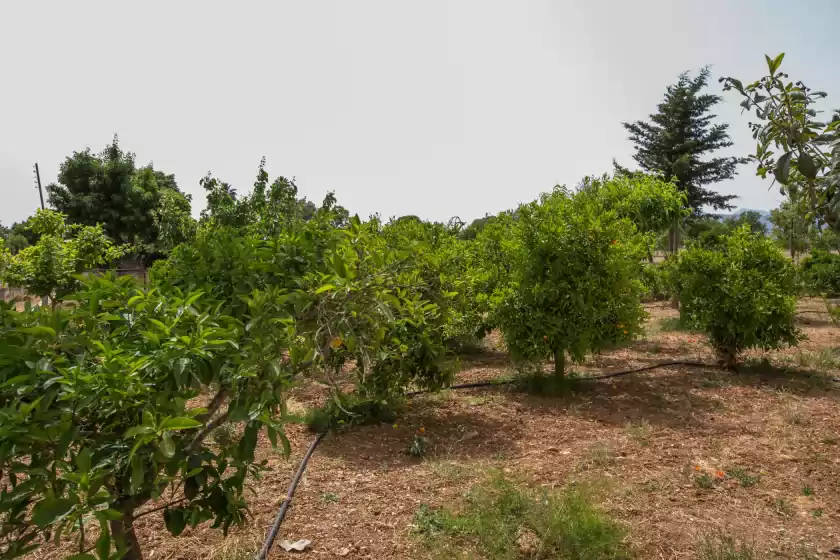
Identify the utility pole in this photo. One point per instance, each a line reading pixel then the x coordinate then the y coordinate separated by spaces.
pixel 38 179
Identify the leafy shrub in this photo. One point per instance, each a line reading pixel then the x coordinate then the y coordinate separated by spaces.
pixel 658 280
pixel 574 285
pixel 742 294
pixel 49 267
pixel 98 413
pixel 507 522
pixel 821 273
pixel 344 410
pixel 374 302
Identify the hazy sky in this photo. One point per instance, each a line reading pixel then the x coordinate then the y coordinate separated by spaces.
pixel 432 108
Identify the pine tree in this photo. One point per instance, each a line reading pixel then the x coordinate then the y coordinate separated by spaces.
pixel 677 137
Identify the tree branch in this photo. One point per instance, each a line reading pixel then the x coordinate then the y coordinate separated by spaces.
pixel 214 405
pixel 207 430
pixel 164 506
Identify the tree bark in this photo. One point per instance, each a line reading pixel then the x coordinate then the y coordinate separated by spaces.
pixel 559 363
pixel 122 531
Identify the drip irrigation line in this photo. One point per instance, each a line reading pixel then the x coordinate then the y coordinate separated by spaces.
pixel 481 384
pixel 284 507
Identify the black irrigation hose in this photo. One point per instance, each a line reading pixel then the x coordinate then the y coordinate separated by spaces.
pixel 481 384
pixel 284 507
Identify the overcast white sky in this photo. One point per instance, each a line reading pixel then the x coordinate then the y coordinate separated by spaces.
pixel 432 108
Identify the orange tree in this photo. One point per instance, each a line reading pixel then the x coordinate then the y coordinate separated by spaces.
pixel 99 413
pixel 574 284
pixel 741 292
pixel 370 303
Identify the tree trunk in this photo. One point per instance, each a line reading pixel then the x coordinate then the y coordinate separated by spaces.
pixel 674 247
pixel 122 531
pixel 728 359
pixel 559 363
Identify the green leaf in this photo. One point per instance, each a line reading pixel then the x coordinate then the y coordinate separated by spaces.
pixel 108 514
pixel 191 488
pixel 137 474
pixel 167 446
pixel 272 436
pixel 39 330
pixel 806 165
pixel 83 460
pixel 180 423
pixel 774 63
pixel 138 430
pixel 192 299
pixel 324 288
pixel 103 543
pixel 159 324
pixel 175 521
pixel 151 337
pixel 49 510
pixel 782 169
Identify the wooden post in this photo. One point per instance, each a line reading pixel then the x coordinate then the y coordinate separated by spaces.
pixel 40 190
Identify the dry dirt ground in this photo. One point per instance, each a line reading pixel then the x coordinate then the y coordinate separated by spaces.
pixel 642 440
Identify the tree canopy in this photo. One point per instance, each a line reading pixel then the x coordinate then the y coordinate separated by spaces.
pixel 140 206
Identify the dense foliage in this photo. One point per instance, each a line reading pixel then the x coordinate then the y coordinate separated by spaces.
pixel 97 412
pixel 741 293
pixel 140 206
pixel 574 285
pixel 709 231
pixel 49 268
pixel 821 273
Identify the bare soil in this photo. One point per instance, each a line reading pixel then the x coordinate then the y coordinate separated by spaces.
pixel 642 440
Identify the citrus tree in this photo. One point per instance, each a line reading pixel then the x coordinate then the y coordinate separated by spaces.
pixel 651 203
pixel 370 303
pixel 49 268
pixel 112 404
pixel 741 293
pixel 574 286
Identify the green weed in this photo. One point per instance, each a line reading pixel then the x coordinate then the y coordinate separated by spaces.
pixel 743 477
pixel 600 455
pixel 417 448
pixel 723 547
pixel 329 498
pixel 807 491
pixel 704 481
pixel 507 522
pixel 639 430
pixel 348 410
pixel 827 358
pixel 674 324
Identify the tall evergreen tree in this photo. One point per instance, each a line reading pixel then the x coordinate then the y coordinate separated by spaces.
pixel 677 137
